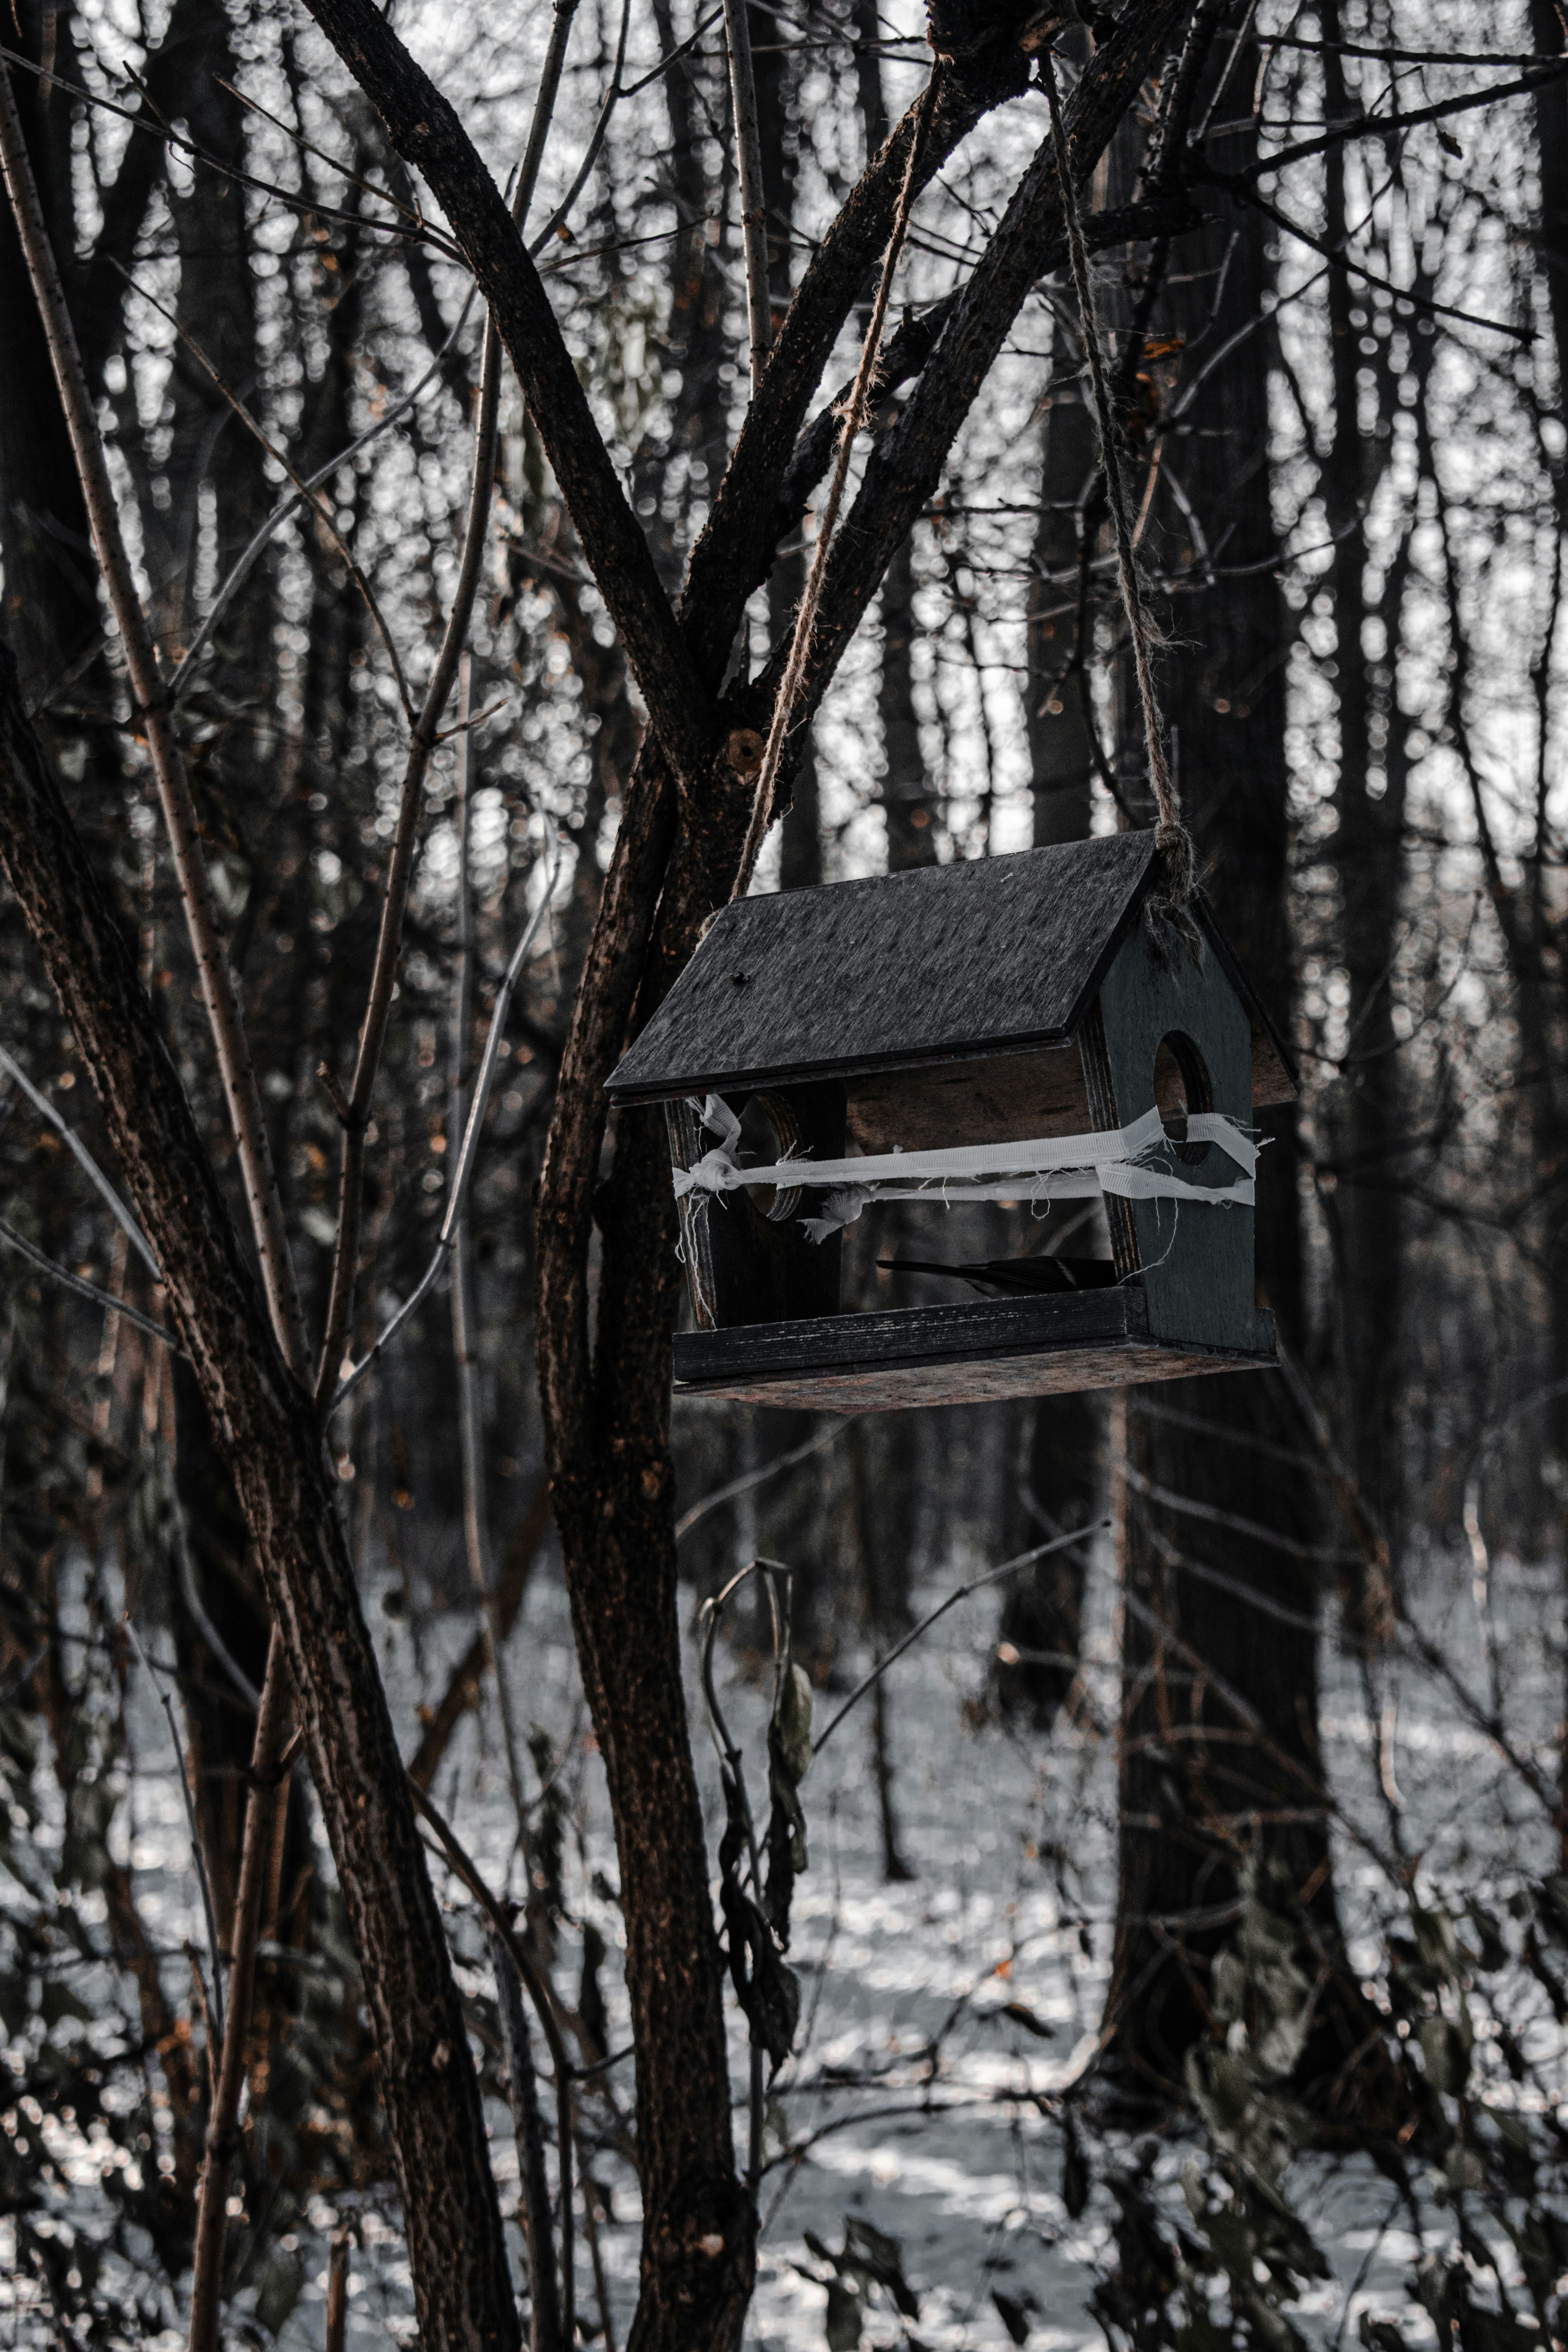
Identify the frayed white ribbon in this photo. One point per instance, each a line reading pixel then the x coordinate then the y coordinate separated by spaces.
pixel 1043 1168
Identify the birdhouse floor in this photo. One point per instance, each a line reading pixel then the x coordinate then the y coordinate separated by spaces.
pixel 969 1354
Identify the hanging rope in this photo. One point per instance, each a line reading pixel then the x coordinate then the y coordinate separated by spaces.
pixel 1176 841
pixel 853 417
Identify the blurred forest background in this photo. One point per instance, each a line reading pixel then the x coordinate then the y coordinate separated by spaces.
pixel 1247 2023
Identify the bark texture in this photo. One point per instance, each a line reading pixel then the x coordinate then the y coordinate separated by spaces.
pixel 1220 1776
pixel 1366 1208
pixel 265 1425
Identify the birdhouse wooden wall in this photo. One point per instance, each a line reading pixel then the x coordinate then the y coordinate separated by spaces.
pixel 1015 999
pixel 1196 1262
pixel 747 1259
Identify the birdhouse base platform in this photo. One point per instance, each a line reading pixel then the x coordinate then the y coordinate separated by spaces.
pixel 969 1354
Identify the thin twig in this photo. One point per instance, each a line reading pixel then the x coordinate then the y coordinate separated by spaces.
pixel 539 1993
pixel 1173 834
pixel 853 417
pixel 150 695
pixel 591 2230
pixel 268 1790
pixel 400 864
pixel 87 1164
pixel 197 1857
pixel 749 180
pixel 85 1289
pixel 533 2181
pixel 462 1175
pixel 1024 1559
pixel 544 105
pixel 749 1479
pixel 291 506
pixel 657 72
pixel 223 166
pixel 320 508
pixel 296 138
pixel 613 97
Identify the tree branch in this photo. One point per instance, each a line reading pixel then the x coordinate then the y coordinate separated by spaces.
pixel 905 467
pixel 720 578
pixel 425 129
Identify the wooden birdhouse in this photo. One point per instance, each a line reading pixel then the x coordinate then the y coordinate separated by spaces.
pixel 1006 1030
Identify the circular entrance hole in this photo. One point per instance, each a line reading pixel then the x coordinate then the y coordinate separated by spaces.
pixel 769 1131
pixel 1181 1088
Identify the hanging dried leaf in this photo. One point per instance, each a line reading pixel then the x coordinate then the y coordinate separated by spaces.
pixel 767 1990
pixel 789 1760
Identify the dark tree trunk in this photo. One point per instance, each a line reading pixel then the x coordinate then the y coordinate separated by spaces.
pixel 1061 1439
pixel 613 1493
pixel 1207 1797
pixel 1366 1210
pixel 1540 1024
pixel 1062 1485
pixel 51 575
pixel 1549 40
pixel 266 1428
pixel 907 800
pixel 1061 759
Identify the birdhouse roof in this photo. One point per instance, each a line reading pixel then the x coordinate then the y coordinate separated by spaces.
pixel 986 956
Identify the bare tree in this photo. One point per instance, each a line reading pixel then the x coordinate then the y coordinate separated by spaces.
pixel 604 1349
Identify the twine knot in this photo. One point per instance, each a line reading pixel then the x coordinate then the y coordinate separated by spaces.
pixel 1174 843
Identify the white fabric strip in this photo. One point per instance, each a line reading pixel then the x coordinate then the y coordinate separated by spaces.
pixel 1059 1167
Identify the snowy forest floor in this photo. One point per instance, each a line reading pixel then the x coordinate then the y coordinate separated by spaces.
pixel 934 2011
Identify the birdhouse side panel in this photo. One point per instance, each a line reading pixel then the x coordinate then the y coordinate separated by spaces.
pixel 1196 1258
pixel 743 1265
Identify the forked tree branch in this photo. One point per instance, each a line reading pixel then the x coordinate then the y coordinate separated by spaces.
pixel 905 467
pixel 995 68
pixel 424 127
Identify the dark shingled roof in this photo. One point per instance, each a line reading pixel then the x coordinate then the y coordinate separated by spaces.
pixel 988 955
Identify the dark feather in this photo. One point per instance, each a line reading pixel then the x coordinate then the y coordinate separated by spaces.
pixel 1019 1273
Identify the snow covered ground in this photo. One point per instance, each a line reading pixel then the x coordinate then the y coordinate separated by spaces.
pixel 910 2103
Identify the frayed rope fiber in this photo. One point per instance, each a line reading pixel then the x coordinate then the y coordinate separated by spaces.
pixel 1172 837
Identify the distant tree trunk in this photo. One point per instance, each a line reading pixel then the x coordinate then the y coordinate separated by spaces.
pixel 893 1453
pixel 907 800
pixel 51 604
pixel 1062 1485
pixel 1061 759
pixel 1367 1210
pixel 1061 1439
pixel 209 449
pixel 687 466
pixel 882 1534
pixel 1549 40
pixel 1541 1024
pixel 1197 1812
